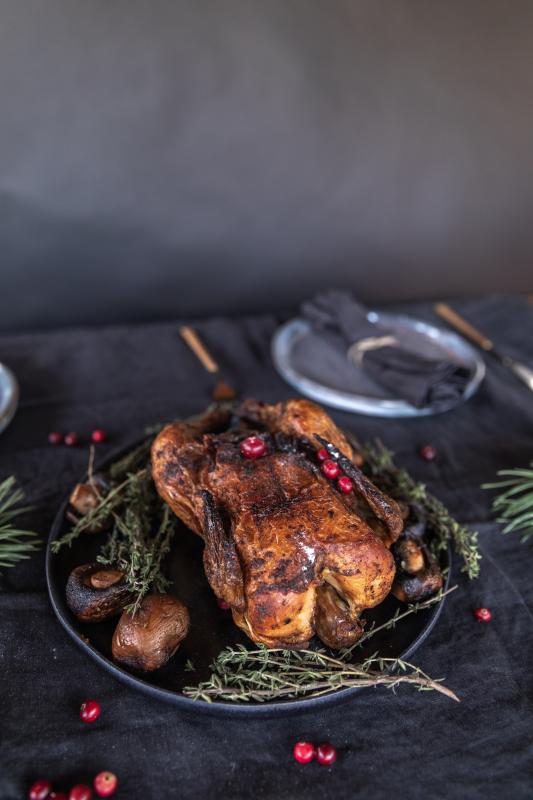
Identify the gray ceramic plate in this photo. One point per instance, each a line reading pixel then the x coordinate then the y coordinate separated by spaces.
pixel 9 396
pixel 299 355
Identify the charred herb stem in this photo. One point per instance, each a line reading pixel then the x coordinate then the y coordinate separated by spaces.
pixel 265 674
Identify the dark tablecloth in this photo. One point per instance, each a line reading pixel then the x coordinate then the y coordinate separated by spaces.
pixel 413 745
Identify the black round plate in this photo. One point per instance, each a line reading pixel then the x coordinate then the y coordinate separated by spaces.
pixel 211 628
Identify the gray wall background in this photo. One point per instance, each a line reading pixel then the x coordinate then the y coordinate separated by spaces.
pixel 164 158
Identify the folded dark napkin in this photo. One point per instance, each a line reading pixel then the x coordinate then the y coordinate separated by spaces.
pixel 415 378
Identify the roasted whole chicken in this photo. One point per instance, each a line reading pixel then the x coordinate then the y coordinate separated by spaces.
pixel 291 553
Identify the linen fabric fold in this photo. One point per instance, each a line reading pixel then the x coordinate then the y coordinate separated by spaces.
pixel 381 354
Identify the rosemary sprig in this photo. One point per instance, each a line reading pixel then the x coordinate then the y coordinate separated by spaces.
pixel 397 482
pixel 242 675
pixel 514 504
pixel 15 544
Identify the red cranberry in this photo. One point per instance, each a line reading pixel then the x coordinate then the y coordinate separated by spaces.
pixel 330 469
pixel 71 439
pixel 55 437
pixel 345 484
pixel 222 604
pixel 98 436
pixel 105 784
pixel 253 447
pixel 482 614
pixel 304 752
pixel 322 454
pixel 428 452
pixel 80 792
pixel 40 790
pixel 90 711
pixel 326 754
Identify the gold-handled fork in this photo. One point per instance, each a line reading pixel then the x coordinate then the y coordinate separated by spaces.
pixel 523 373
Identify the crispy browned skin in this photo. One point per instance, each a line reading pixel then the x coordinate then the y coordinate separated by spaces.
pixel 290 554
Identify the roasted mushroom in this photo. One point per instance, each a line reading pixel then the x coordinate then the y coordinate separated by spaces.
pixel 86 497
pixel 418 575
pixel 95 593
pixel 147 639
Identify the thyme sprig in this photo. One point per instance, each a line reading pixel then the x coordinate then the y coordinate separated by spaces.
pixel 132 460
pixel 514 504
pixel 242 675
pixel 96 516
pixel 15 544
pixel 141 526
pixel 412 608
pixel 397 482
pixel 139 556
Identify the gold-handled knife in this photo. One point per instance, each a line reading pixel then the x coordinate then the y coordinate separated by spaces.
pixel 525 374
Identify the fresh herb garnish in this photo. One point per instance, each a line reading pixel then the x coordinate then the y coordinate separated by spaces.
pixel 15 544
pixel 514 504
pixel 242 675
pixel 381 468
pixel 412 608
pixel 141 525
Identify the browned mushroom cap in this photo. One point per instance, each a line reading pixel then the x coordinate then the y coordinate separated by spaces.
pixel 418 575
pixel 84 498
pixel 95 593
pixel 409 555
pixel 415 588
pixel 147 639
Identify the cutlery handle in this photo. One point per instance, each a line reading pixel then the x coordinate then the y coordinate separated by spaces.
pixel 198 348
pixel 520 370
pixel 464 327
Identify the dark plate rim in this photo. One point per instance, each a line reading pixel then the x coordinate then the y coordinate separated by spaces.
pixel 185 703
